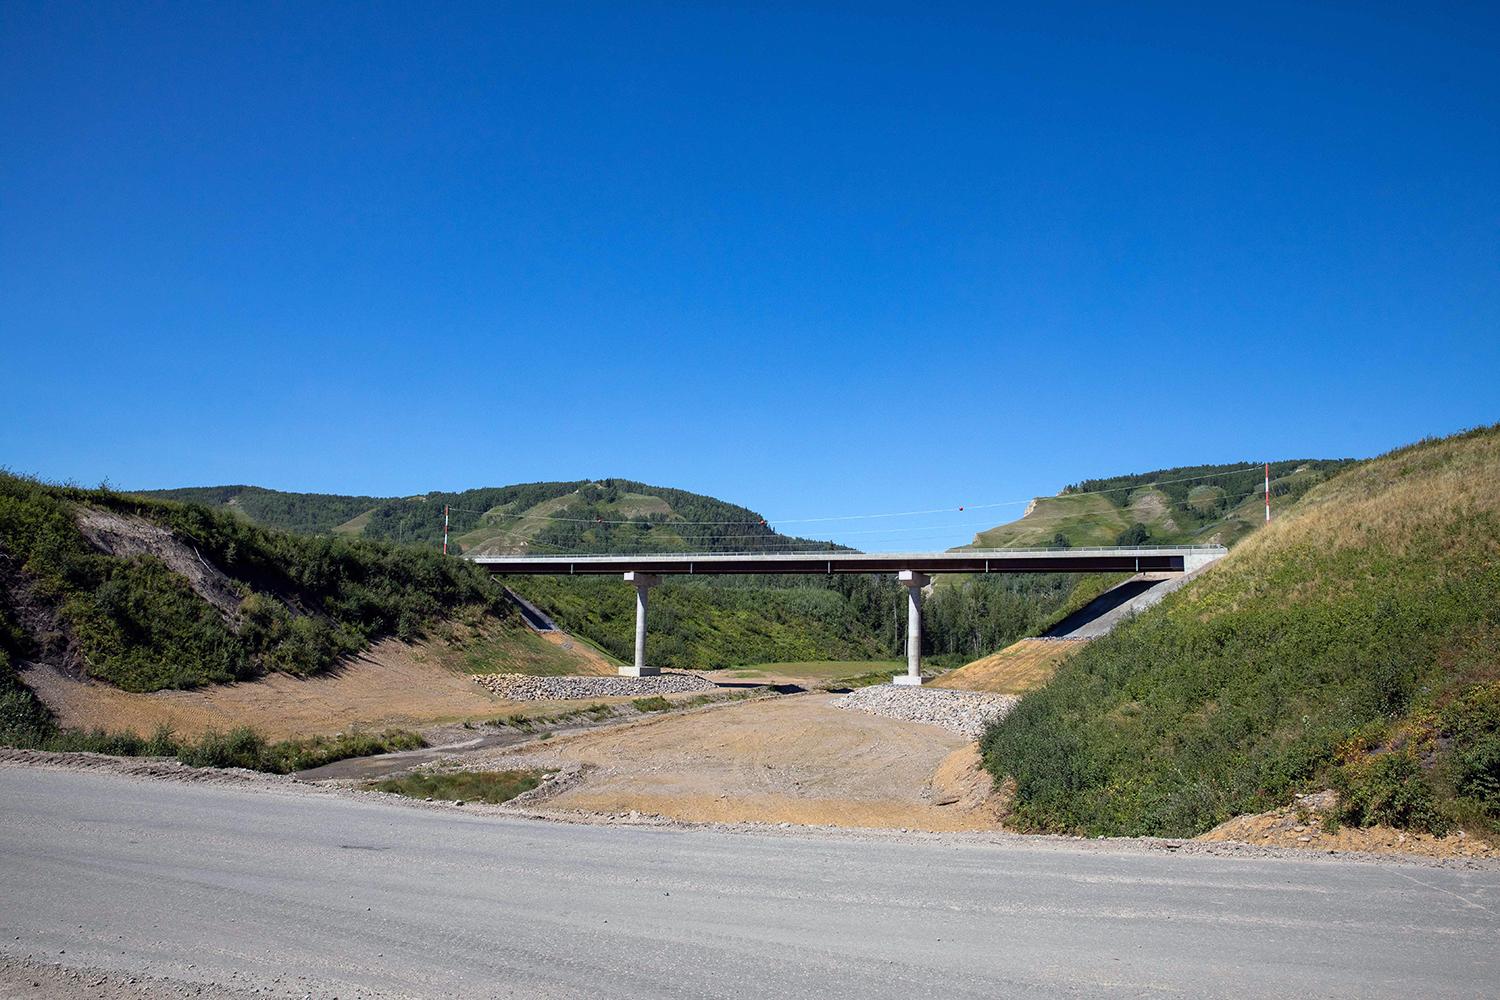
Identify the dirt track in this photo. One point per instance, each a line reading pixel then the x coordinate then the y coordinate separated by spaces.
pixel 784 760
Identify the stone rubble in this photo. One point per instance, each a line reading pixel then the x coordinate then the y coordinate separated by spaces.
pixel 964 712
pixel 523 687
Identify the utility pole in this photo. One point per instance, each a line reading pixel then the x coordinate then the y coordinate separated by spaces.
pixel 445 524
pixel 1268 492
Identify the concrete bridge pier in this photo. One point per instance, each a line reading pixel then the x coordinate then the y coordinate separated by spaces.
pixel 914 583
pixel 643 583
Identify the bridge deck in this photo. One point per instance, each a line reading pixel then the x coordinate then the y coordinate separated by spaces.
pixel 1133 559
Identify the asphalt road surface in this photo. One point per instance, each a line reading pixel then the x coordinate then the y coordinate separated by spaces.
pixel 214 883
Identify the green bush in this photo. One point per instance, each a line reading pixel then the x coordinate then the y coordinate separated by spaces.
pixel 240 747
pixel 1471 726
pixel 1392 789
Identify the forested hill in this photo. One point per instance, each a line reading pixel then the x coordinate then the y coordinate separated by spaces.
pixel 1208 504
pixel 610 515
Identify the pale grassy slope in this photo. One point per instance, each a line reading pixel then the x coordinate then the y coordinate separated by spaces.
pixel 1018 668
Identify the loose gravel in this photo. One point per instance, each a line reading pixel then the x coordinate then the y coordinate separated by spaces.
pixel 523 687
pixel 964 712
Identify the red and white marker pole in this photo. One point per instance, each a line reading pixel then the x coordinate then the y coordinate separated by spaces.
pixel 1268 492
pixel 445 521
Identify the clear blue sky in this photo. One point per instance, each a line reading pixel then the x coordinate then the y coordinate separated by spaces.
pixel 817 263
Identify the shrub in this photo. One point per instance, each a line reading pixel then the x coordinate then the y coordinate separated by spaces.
pixel 240 747
pixel 1389 788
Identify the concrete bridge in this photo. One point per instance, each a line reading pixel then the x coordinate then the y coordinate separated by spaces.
pixel 913 569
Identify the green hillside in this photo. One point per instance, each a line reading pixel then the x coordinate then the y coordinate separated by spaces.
pixel 150 594
pixel 1208 504
pixel 1355 641
pixel 611 515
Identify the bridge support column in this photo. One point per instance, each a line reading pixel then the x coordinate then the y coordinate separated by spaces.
pixel 643 584
pixel 914 582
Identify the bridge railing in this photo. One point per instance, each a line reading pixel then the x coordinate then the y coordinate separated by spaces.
pixel 846 553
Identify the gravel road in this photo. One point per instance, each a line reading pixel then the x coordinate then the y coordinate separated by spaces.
pixel 267 887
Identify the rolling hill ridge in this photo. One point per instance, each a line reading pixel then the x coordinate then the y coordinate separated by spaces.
pixel 610 515
pixel 1201 504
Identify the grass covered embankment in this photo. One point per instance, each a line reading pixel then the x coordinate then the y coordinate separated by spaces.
pixel 1353 642
pixel 159 595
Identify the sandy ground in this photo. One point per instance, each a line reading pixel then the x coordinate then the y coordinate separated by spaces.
pixel 793 759
pixel 1020 667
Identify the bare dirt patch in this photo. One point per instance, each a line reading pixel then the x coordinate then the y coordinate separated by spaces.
pixel 793 759
pixel 1150 505
pixel 122 535
pixel 1302 825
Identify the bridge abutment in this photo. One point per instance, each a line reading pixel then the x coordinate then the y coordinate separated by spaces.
pixel 643 583
pixel 914 582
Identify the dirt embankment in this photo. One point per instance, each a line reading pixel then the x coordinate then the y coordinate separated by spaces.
pixel 1306 824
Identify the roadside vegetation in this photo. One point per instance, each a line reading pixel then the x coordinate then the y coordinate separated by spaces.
pixel 493 787
pixel 240 747
pixel 1353 643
